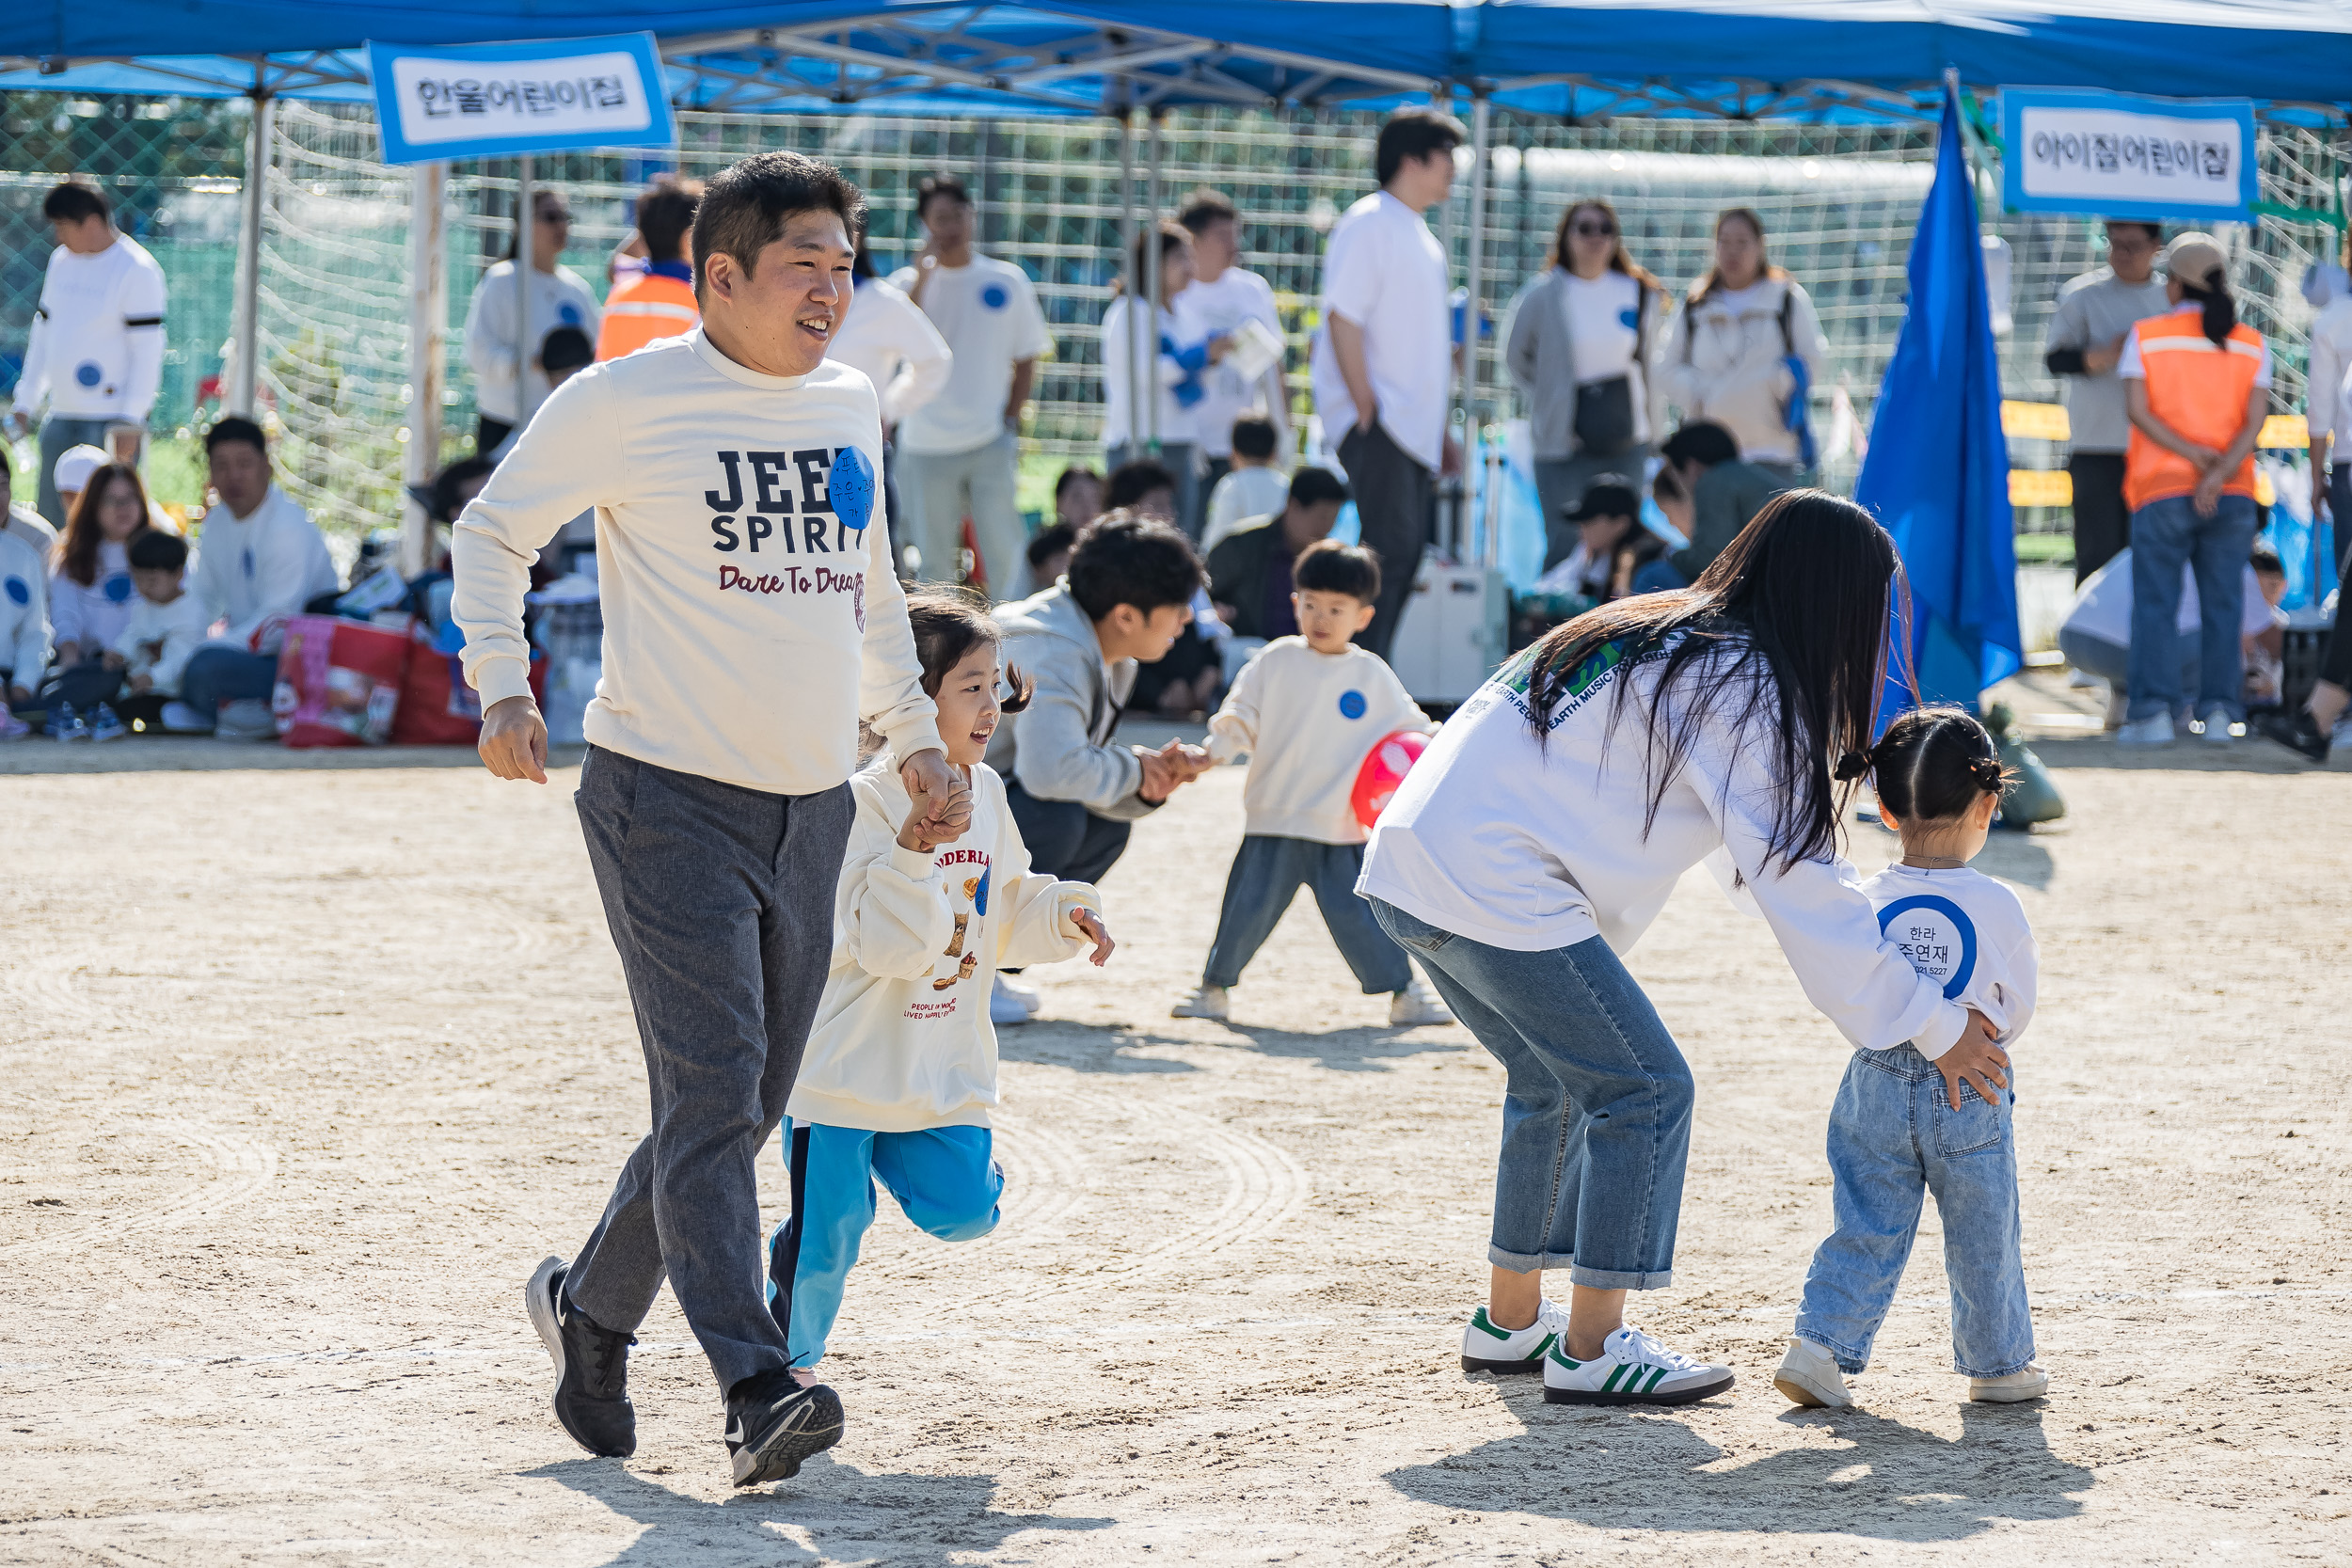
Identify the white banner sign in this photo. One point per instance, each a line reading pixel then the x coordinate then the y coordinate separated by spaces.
pixel 2121 156
pixel 501 100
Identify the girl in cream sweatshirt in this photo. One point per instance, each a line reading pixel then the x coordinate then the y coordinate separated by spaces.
pixel 900 1070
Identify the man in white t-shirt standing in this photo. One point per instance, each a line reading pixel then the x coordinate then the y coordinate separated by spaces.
pixel 960 452
pixel 96 349
pixel 1383 362
pixel 1222 297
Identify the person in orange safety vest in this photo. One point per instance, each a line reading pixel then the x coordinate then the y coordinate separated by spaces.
pixel 658 302
pixel 2197 385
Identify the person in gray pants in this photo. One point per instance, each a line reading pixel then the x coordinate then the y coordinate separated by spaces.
pixel 714 798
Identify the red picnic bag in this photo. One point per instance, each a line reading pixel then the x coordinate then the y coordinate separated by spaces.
pixel 339 681
pixel 436 707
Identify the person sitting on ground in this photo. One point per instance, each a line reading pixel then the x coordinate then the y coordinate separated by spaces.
pixel 1186 681
pixel 2096 634
pixel 1307 711
pixel 1253 488
pixel 23 630
pixel 900 1076
pixel 1711 495
pixel 1048 555
pixel 167 627
pixel 72 472
pixel 2266 650
pixel 90 602
pixel 1613 550
pixel 1250 573
pixel 1078 496
pixel 259 559
pixel 21 522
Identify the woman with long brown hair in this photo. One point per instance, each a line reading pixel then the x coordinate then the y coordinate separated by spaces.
pixel 90 601
pixel 1577 347
pixel 1745 351
pixel 1538 837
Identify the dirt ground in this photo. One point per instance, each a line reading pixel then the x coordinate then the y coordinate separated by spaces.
pixel 290 1105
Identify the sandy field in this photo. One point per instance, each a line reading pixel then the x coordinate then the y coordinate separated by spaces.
pixel 291 1104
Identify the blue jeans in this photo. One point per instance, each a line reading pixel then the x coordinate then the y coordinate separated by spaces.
pixel 217 676
pixel 1266 873
pixel 947 1179
pixel 1065 839
pixel 1596 1103
pixel 2166 535
pixel 1893 1135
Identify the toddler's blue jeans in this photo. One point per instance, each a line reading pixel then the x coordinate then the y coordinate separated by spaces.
pixel 945 1179
pixel 1893 1136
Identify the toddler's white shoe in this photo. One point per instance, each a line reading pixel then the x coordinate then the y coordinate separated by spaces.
pixel 1631 1369
pixel 2154 730
pixel 1809 1375
pixel 1205 1001
pixel 1417 1004
pixel 2028 1382
pixel 1028 996
pixel 1489 1349
pixel 1004 1007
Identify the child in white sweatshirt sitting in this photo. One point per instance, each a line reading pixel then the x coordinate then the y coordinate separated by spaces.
pixel 1308 709
pixel 900 1070
pixel 168 624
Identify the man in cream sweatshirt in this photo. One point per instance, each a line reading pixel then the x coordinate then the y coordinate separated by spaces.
pixel 751 619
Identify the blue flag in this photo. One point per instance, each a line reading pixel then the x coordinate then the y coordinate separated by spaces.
pixel 1937 471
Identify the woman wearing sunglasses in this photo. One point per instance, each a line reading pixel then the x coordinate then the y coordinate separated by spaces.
pixel 1579 351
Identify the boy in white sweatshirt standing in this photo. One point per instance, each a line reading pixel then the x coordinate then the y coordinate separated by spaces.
pixel 751 619
pixel 1308 709
pixel 901 1065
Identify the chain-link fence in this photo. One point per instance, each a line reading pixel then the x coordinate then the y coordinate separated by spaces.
pixel 1838 202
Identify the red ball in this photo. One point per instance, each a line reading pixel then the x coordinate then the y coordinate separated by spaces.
pixel 1383 770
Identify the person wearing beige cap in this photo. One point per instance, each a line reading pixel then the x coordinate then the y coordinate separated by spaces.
pixel 70 475
pixel 2196 386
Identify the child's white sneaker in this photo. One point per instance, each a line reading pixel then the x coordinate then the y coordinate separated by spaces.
pixel 1810 1376
pixel 180 719
pixel 2154 730
pixel 2028 1382
pixel 1631 1369
pixel 1417 1004
pixel 1205 1001
pixel 1004 1007
pixel 1489 1349
pixel 1028 996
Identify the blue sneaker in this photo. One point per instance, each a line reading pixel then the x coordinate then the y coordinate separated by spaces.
pixel 108 725
pixel 68 725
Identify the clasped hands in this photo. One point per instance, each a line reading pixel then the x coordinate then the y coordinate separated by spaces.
pixel 1173 765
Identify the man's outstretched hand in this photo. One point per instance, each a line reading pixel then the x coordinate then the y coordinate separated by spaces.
pixel 942 800
pixel 513 742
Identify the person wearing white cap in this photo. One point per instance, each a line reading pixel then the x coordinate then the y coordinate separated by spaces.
pixel 95 354
pixel 70 476
pixel 2196 386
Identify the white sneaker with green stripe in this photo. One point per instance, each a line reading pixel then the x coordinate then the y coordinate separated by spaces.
pixel 1631 1369
pixel 1489 1349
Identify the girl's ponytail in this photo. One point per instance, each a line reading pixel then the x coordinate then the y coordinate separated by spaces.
pixel 2221 309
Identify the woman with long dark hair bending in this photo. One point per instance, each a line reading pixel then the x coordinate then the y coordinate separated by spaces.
pixel 1538 838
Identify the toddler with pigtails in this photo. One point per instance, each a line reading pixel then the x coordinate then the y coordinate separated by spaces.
pixel 1902 1126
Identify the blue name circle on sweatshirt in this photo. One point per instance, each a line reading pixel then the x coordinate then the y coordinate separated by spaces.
pixel 570 314
pixel 1938 939
pixel 850 486
pixel 118 589
pixel 18 590
pixel 994 297
pixel 89 373
pixel 1351 705
pixel 1631 318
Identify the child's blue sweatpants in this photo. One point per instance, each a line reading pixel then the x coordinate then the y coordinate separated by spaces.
pixel 945 1179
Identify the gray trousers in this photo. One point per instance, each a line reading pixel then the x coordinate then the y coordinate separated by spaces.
pixel 937 489
pixel 57 435
pixel 720 899
pixel 1396 502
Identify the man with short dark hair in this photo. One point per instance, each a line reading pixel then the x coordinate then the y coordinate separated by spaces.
pixel 751 620
pixel 259 558
pixel 1250 571
pixel 1223 296
pixel 959 454
pixel 1709 493
pixel 1127 595
pixel 96 349
pixel 658 302
pixel 2096 315
pixel 1383 363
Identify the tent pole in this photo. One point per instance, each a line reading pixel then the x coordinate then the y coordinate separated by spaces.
pixel 246 334
pixel 1150 354
pixel 525 232
pixel 1481 117
pixel 1127 265
pixel 428 337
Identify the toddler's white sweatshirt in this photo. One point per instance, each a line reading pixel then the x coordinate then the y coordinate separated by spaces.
pixel 1307 721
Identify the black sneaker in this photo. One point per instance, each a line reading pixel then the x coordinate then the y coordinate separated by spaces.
pixel 2297 733
pixel 773 1424
pixel 591 1368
